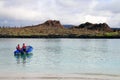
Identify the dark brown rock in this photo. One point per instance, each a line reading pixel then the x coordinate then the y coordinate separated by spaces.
pixel 49 23
pixel 53 23
pixel 90 26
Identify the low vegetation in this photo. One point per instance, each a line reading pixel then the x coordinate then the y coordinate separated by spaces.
pixel 54 32
pixel 54 29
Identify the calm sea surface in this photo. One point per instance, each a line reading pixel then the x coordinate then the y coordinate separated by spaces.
pixel 101 56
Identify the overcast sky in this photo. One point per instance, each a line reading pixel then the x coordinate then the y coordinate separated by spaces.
pixel 30 12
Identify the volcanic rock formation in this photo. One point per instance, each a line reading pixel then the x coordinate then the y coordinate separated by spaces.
pixel 48 24
pixel 53 23
pixel 99 27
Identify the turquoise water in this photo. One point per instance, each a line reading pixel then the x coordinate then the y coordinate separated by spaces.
pixel 101 56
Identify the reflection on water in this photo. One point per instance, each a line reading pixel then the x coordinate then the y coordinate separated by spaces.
pixel 62 56
pixel 23 58
pixel 53 53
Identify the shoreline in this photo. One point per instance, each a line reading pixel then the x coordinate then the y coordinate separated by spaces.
pixel 38 76
pixel 62 36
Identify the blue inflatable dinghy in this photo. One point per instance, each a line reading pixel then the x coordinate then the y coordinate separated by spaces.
pixel 28 50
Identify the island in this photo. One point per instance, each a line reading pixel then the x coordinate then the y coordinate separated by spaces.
pixel 54 29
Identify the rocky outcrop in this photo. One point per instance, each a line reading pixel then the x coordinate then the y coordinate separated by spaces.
pixel 49 23
pixel 53 23
pixel 99 27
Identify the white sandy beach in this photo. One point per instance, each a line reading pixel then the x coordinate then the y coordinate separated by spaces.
pixel 38 76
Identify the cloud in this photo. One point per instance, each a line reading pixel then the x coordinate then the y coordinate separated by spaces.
pixel 110 9
pixel 95 19
pixel 18 12
pixel 112 6
pixel 67 11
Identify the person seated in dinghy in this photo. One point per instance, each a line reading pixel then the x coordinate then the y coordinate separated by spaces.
pixel 24 47
pixel 18 47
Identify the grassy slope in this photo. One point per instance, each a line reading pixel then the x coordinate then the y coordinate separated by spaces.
pixel 60 32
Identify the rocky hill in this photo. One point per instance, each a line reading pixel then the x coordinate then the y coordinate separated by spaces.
pixel 49 23
pixel 54 29
pixel 90 26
